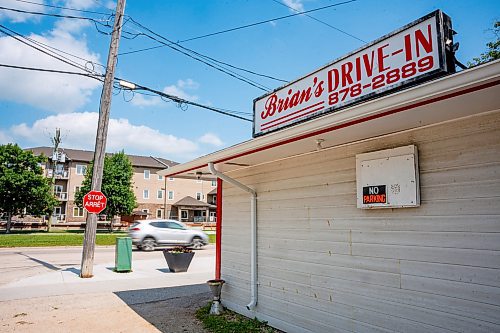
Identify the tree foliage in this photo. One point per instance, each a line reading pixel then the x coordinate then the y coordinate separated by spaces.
pixel 23 187
pixel 493 52
pixel 116 185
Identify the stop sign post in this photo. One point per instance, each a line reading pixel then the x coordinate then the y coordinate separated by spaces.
pixel 94 202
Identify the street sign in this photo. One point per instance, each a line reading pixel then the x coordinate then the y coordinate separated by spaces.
pixel 94 202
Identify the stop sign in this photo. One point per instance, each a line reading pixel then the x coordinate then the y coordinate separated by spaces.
pixel 94 202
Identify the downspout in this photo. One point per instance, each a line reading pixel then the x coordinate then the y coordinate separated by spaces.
pixel 253 220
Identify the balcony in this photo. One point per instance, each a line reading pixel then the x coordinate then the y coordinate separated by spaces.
pixel 59 174
pixel 61 196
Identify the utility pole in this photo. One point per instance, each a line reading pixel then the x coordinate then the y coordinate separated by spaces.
pixel 56 141
pixel 100 142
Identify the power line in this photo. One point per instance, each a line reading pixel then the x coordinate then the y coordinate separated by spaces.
pixel 54 15
pixel 62 7
pixel 63 59
pixel 92 76
pixel 235 75
pixel 155 92
pixel 187 52
pixel 12 33
pixel 320 21
pixel 46 46
pixel 245 26
pixel 202 55
pixel 181 101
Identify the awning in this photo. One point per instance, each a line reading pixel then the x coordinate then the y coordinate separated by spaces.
pixel 463 94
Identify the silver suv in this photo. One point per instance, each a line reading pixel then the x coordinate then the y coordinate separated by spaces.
pixel 147 234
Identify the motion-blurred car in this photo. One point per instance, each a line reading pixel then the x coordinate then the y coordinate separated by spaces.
pixel 148 234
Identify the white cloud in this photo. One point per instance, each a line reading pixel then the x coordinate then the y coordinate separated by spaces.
pixel 20 17
pixel 180 88
pixel 144 101
pixel 80 4
pixel 273 23
pixel 49 91
pixel 188 84
pixel 78 131
pixel 296 5
pixel 211 139
pixel 110 5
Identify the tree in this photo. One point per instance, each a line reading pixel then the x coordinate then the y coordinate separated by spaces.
pixel 23 187
pixel 493 52
pixel 116 186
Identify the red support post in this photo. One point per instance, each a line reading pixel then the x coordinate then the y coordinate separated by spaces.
pixel 218 229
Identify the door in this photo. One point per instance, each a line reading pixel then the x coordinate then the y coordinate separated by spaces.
pixel 184 215
pixel 212 217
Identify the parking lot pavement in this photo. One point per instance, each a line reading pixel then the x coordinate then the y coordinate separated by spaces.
pixel 148 299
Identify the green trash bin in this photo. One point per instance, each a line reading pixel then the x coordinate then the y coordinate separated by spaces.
pixel 123 254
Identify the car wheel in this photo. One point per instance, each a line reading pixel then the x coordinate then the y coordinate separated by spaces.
pixel 197 243
pixel 148 244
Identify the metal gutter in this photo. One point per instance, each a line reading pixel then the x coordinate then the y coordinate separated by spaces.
pixel 253 226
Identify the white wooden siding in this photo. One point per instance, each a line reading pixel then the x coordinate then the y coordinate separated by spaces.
pixel 326 266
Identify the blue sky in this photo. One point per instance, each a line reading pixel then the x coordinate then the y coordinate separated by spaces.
pixel 33 104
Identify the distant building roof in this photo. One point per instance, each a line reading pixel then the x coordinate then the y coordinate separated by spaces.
pixel 87 156
pixel 214 191
pixel 192 202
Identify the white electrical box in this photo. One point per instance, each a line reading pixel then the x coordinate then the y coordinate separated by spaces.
pixel 388 178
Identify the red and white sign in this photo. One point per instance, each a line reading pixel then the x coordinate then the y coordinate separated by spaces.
pixel 412 53
pixel 94 202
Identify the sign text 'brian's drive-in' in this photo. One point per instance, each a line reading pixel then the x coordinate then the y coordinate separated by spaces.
pixel 413 53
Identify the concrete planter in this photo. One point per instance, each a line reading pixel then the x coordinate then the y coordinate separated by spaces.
pixel 178 262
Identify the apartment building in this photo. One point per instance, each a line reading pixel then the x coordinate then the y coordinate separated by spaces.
pixel 156 196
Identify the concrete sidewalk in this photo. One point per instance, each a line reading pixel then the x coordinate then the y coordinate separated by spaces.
pixel 148 299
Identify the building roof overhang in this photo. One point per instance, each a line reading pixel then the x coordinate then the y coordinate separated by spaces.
pixel 463 94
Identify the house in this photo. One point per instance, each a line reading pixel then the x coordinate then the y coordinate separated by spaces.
pixel 382 215
pixel 155 194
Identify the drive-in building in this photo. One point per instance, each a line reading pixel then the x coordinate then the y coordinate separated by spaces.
pixel 380 214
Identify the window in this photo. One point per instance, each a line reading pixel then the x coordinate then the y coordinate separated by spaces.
pixel 145 194
pixel 77 212
pixel 199 196
pixel 160 177
pixel 77 188
pixel 81 169
pixel 145 210
pixel 214 183
pixel 58 188
pixel 170 195
pixel 184 214
pixel 170 179
pixel 159 213
pixel 173 225
pixel 159 194
pixel 146 174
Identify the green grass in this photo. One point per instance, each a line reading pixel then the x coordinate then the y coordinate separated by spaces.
pixel 54 239
pixel 231 322
pixel 211 238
